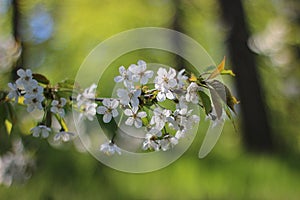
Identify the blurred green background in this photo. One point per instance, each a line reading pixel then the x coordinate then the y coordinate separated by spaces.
pixel 58 35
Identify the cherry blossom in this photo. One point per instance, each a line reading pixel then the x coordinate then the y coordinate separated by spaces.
pixel 110 148
pixel 108 110
pixel 135 117
pixel 40 130
pixel 140 72
pixel 57 107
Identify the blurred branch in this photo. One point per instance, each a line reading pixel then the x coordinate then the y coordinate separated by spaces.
pixel 257 134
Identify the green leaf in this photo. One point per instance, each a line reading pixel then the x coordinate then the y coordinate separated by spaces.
pixel 41 78
pixel 168 104
pixel 110 129
pixel 68 84
pixel 205 102
pixel 11 114
pixel 227 72
pixel 224 93
pixel 8 126
pixel 216 102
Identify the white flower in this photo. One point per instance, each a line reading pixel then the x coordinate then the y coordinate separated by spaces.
pixel 181 79
pixel 64 136
pixel 108 109
pixel 181 133
pixel 150 143
pixel 15 165
pixel 213 117
pixel 85 102
pixel 166 79
pixel 14 92
pixel 159 118
pixel 25 79
pixel 135 117
pixel 89 110
pixel 191 120
pixel 125 76
pixel 168 142
pixel 110 148
pixel 33 89
pixel 87 96
pixel 90 92
pixel 192 93
pixel 140 73
pixel 33 102
pixel 127 97
pixel 57 107
pixel 164 82
pixel 183 120
pixel 40 130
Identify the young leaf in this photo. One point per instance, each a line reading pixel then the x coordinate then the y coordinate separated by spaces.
pixel 227 72
pixel 219 69
pixel 225 94
pixel 41 78
pixel 193 78
pixel 205 102
pixel 8 126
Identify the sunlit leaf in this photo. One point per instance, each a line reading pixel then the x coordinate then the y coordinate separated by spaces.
pixel 227 72
pixel 219 69
pixel 41 78
pixel 8 126
pixel 193 78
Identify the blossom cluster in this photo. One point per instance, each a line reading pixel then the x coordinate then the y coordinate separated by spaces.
pixel 159 103
pixel 33 93
pixel 15 165
pixel 135 100
pixel 27 90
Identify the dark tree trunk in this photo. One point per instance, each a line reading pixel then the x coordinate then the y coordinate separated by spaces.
pixel 16 30
pixel 257 135
pixel 177 26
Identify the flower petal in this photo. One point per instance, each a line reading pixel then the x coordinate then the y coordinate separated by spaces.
pixel 118 79
pixel 129 121
pixel 142 114
pixel 107 117
pixel 101 110
pixel 128 112
pixel 114 104
pixel 114 113
pixel 138 123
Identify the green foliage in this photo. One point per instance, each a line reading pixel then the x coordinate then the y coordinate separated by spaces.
pixel 206 102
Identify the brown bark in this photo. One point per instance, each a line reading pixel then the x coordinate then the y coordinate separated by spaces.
pixel 257 134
